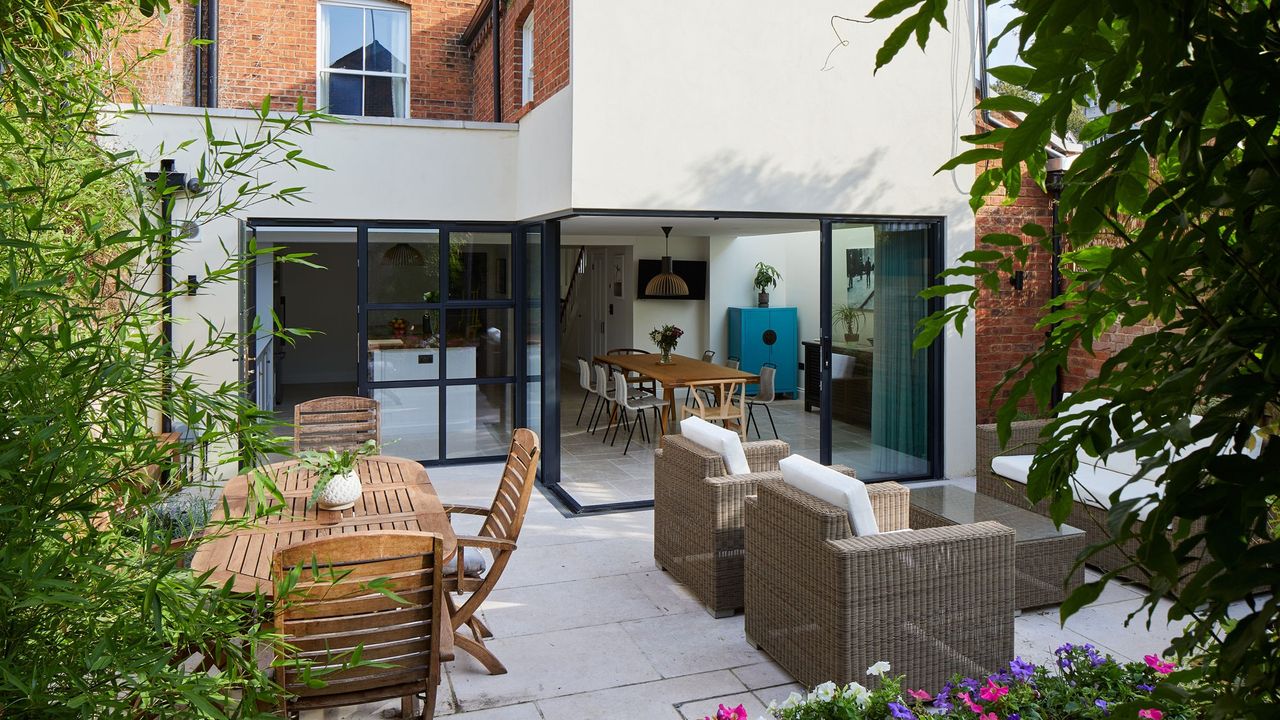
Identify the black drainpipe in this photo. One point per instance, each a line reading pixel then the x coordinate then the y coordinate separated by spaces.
pixel 1053 183
pixel 167 179
pixel 497 61
pixel 211 91
pixel 199 74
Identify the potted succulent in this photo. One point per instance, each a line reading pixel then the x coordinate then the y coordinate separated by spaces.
pixel 337 483
pixel 767 276
pixel 666 338
pixel 851 318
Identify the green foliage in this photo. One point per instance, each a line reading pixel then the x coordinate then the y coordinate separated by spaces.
pixel 100 618
pixel 1007 94
pixel 331 463
pixel 850 317
pixel 767 276
pixel 1170 221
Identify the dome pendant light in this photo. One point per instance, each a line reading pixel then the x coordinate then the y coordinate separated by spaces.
pixel 667 283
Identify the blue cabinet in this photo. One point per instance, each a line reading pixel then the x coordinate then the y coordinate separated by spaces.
pixel 767 335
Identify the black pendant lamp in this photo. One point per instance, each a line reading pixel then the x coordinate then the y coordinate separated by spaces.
pixel 667 283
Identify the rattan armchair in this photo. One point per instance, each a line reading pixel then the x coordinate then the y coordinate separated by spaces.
pixel 826 605
pixel 697 516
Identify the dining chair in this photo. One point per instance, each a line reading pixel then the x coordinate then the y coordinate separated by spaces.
pixel 730 403
pixel 632 377
pixel 588 385
pixel 638 405
pixel 502 522
pixel 377 596
pixel 708 356
pixel 340 422
pixel 732 363
pixel 763 397
pixel 604 401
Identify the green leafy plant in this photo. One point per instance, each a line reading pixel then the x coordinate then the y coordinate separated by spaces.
pixel 767 276
pixel 1168 221
pixel 850 317
pixel 331 463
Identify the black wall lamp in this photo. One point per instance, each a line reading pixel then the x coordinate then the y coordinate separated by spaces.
pixel 1016 279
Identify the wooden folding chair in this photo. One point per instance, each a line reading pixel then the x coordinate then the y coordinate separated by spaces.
pixel 341 422
pixel 502 522
pixel 338 604
pixel 730 402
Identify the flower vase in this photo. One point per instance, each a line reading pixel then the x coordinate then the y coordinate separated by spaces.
pixel 666 357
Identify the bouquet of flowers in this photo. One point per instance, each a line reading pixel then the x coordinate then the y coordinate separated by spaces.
pixel 666 338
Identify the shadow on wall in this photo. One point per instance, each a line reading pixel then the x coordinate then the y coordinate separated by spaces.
pixel 725 181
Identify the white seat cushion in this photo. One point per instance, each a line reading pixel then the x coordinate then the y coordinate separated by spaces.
pixel 473 563
pixel 718 440
pixel 833 486
pixel 1092 486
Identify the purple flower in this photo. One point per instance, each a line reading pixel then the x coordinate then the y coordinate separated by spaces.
pixel 1021 669
pixel 1143 687
pixel 1094 657
pixel 901 712
pixel 1014 716
pixel 942 700
pixel 970 684
pixel 1102 704
pixel 1064 649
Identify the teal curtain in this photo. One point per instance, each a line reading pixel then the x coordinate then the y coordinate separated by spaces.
pixel 900 381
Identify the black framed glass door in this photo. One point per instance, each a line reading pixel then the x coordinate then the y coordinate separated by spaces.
pixel 439 342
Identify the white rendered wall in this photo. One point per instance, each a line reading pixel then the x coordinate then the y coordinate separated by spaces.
pixel 543 157
pixel 725 105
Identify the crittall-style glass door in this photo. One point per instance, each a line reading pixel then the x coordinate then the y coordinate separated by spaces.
pixel 439 339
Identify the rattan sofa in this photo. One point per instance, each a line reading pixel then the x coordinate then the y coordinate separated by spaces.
pixel 826 605
pixel 697 516
pixel 1024 439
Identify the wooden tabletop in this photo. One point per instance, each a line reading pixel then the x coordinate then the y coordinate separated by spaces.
pixel 396 495
pixel 681 371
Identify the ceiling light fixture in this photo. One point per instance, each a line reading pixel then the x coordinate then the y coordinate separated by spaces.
pixel 403 255
pixel 667 283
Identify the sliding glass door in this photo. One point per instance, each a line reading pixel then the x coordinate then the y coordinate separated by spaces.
pixel 881 396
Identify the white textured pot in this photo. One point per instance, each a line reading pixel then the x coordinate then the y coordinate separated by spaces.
pixel 341 492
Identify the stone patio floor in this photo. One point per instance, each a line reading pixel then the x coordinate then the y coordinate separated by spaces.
pixel 587 627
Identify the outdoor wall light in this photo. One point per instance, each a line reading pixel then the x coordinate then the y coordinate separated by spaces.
pixel 667 283
pixel 1016 279
pixel 193 284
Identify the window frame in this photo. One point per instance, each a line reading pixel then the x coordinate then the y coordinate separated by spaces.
pixel 322 69
pixel 527 61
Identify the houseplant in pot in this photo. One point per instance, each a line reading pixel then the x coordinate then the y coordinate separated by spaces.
pixel 767 276
pixel 666 338
pixel 337 484
pixel 851 318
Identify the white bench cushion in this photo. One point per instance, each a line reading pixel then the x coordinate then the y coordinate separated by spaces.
pixel 820 481
pixel 1093 485
pixel 718 440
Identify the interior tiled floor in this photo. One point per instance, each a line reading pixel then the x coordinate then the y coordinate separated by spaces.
pixel 589 627
pixel 595 471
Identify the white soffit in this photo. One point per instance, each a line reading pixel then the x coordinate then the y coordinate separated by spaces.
pixel 683 226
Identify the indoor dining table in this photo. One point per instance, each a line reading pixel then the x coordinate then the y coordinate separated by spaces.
pixel 681 371
pixel 396 494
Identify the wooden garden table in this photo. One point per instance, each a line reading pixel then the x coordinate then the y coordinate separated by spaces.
pixel 679 373
pixel 396 495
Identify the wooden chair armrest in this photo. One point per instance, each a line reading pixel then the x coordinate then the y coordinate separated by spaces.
pixel 446 638
pixel 465 510
pixel 488 543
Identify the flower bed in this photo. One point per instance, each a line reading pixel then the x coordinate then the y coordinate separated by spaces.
pixel 1083 685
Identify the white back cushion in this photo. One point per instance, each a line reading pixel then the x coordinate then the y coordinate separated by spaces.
pixel 718 440
pixel 835 487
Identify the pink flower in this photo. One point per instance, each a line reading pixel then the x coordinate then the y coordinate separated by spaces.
pixel 1159 665
pixel 988 716
pixel 920 695
pixel 738 713
pixel 993 692
pixel 968 701
pixel 1150 714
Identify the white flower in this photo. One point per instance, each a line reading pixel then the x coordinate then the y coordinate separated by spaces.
pixel 792 700
pixel 826 691
pixel 879 668
pixel 860 694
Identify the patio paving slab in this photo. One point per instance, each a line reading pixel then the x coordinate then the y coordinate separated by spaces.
pixel 645 700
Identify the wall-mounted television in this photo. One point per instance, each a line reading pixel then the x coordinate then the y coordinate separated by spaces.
pixel 693 272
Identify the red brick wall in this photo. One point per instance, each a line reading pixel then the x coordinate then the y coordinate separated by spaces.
pixel 168 77
pixel 1005 320
pixel 550 57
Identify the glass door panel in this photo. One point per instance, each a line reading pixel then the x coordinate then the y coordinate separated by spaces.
pixel 479 266
pixel 533 328
pixel 404 266
pixel 410 421
pixel 880 388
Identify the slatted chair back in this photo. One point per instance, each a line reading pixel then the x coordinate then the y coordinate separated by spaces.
pixel 336 605
pixel 506 514
pixel 766 393
pixel 732 363
pixel 339 422
pixel 722 401
pixel 627 351
pixel 708 356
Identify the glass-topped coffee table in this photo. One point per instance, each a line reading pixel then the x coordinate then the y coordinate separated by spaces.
pixel 1043 554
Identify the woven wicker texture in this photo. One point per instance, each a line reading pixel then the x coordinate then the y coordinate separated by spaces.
pixel 1024 440
pixel 827 605
pixel 340 422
